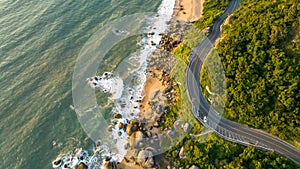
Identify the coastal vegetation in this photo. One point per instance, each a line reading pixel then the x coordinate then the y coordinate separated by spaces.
pixel 213 84
pixel 260 54
pixel 181 110
pixel 211 151
pixel 215 152
pixel 212 9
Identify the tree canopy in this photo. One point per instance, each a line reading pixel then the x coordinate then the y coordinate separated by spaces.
pixel 260 54
pixel 260 50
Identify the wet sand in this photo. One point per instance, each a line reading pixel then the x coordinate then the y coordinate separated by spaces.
pixel 152 90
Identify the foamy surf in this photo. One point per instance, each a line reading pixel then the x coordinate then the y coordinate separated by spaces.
pixel 107 84
pixel 126 98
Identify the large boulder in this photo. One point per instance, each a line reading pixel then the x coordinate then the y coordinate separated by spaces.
pixel 81 166
pixel 136 138
pixel 120 125
pixel 186 127
pixel 117 116
pixel 177 124
pixel 145 158
pixel 132 126
pixel 110 165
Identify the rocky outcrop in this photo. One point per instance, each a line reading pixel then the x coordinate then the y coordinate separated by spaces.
pixel 177 124
pixel 82 166
pixel 110 165
pixel 132 126
pixel 181 153
pixel 168 43
pixel 145 158
pixel 117 116
pixel 186 127
pixel 135 139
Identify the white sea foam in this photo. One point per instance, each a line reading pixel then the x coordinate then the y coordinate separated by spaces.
pixel 107 83
pixel 128 105
pixel 127 97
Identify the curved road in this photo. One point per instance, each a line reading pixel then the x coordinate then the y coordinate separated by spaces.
pixel 225 128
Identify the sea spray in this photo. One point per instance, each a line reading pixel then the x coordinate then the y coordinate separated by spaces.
pixel 127 97
pixel 132 95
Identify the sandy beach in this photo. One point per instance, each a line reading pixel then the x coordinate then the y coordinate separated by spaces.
pixel 152 90
pixel 158 80
pixel 189 10
pixel 184 10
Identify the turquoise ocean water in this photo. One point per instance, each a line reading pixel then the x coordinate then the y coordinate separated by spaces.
pixel 39 44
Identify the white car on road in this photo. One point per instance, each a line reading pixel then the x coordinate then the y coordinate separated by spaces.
pixel 205 119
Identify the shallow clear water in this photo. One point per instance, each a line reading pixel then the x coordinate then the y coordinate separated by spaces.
pixel 39 44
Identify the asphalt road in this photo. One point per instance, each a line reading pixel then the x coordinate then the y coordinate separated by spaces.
pixel 227 129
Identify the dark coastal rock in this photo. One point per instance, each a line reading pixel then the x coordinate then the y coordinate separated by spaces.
pixel 126 160
pixel 120 125
pixel 148 134
pixel 109 128
pixel 82 166
pixel 98 144
pixel 168 89
pixel 123 104
pixel 120 133
pixel 131 127
pixel 57 163
pixel 117 116
pixel 151 33
pixel 110 165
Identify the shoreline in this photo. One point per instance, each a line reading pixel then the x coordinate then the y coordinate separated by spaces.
pixel 136 122
pixel 158 81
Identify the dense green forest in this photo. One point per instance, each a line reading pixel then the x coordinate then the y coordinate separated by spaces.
pixel 215 152
pixel 211 11
pixel 260 53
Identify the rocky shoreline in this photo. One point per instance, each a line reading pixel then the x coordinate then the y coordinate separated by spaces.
pixel 145 132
